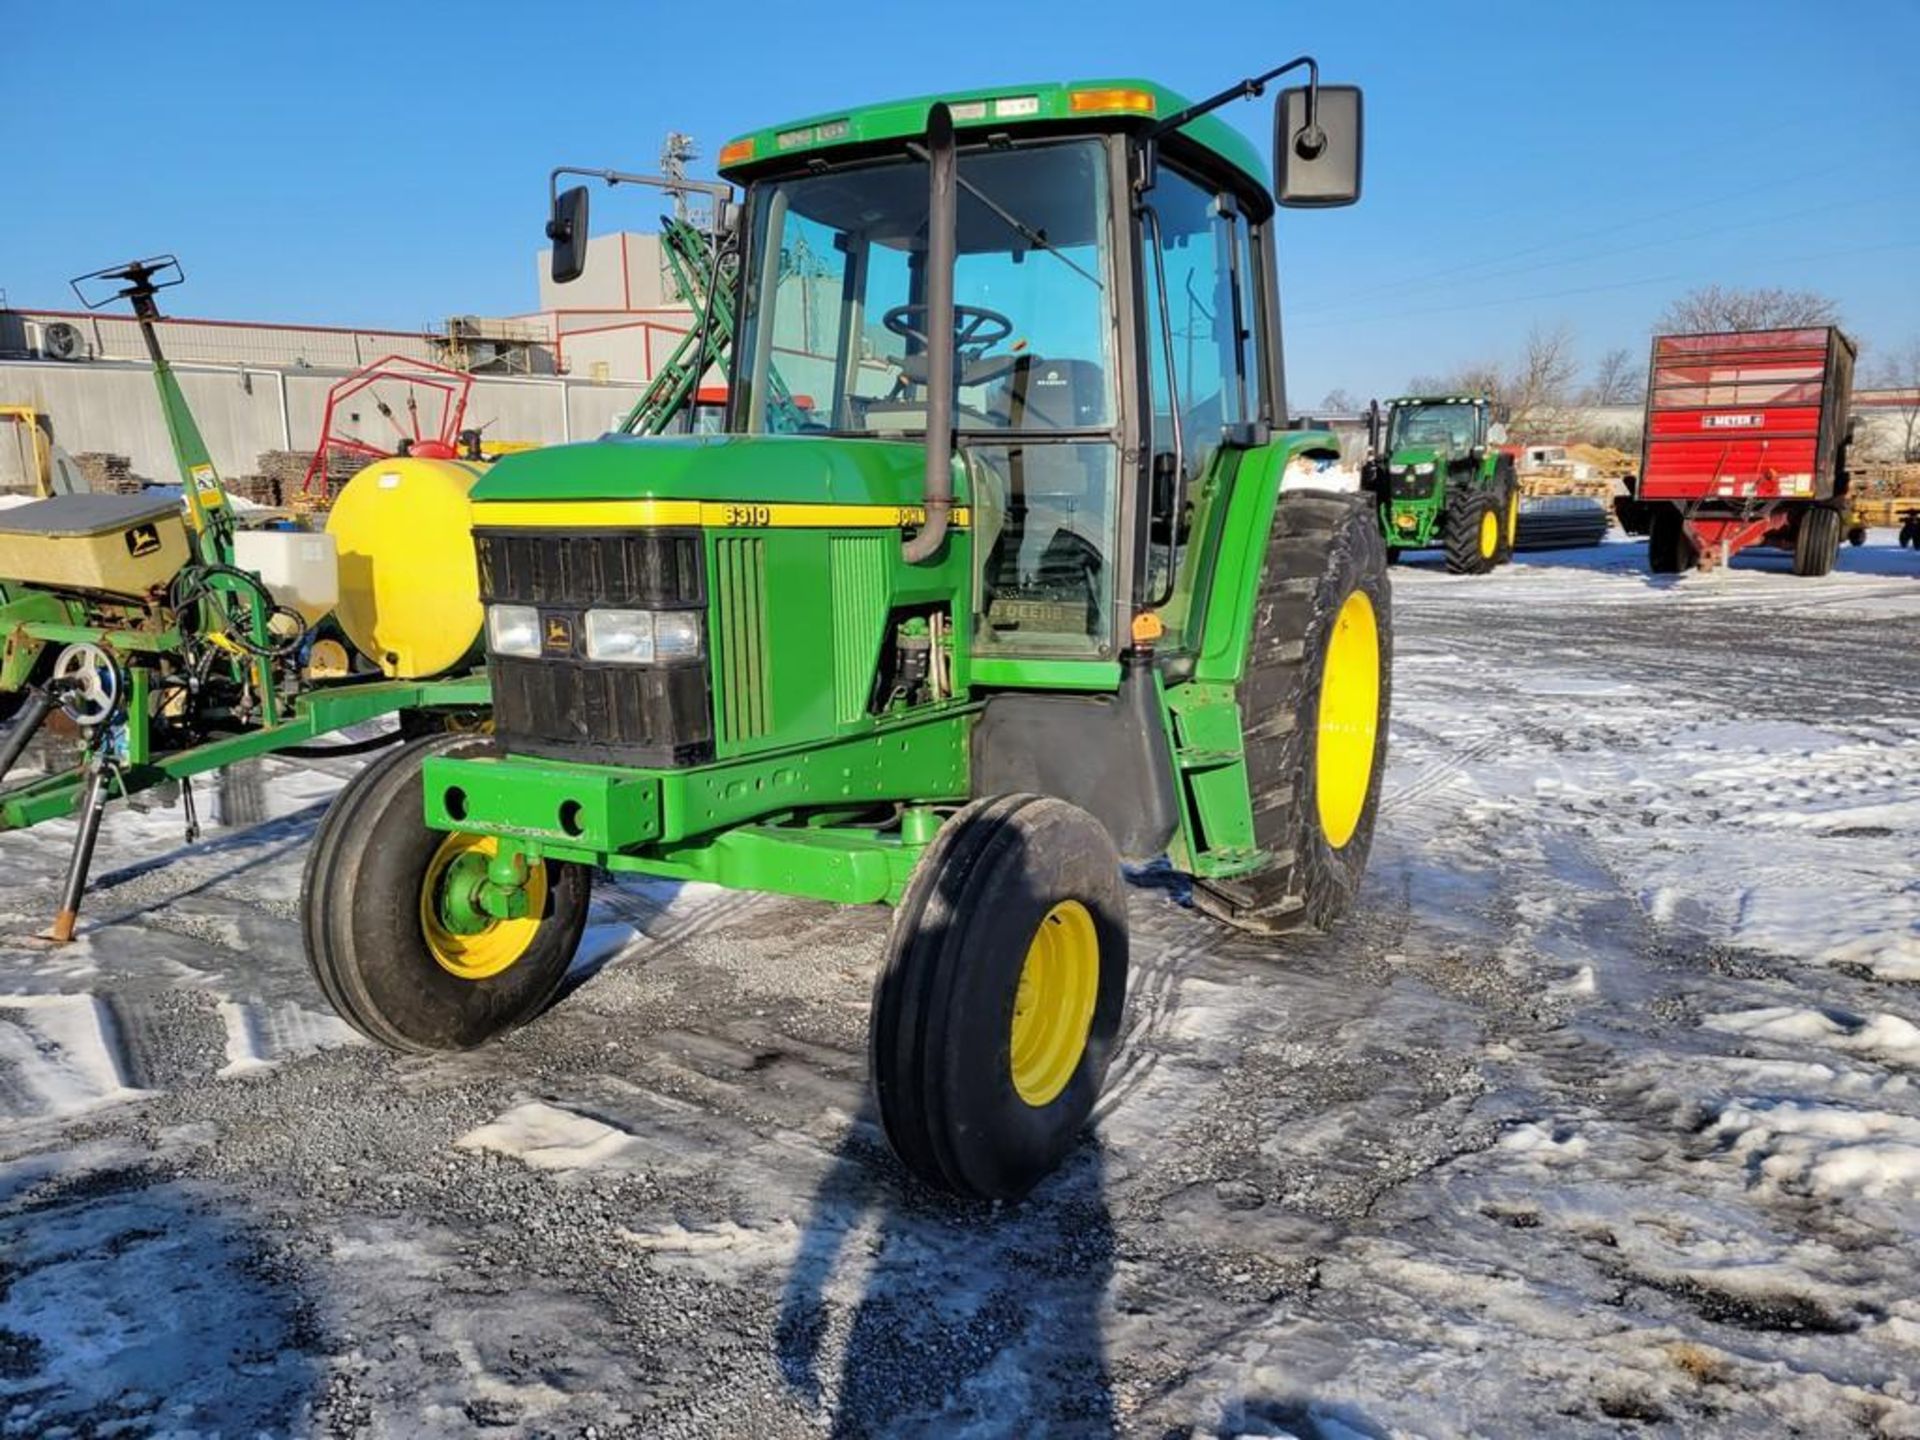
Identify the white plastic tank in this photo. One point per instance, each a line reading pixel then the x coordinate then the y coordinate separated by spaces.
pixel 300 568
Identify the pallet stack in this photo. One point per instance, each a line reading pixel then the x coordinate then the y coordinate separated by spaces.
pixel 286 471
pixel 1883 494
pixel 108 474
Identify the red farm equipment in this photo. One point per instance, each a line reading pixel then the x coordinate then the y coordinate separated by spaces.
pixel 438 438
pixel 1746 444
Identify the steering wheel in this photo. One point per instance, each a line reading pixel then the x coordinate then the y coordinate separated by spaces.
pixel 88 684
pixel 976 330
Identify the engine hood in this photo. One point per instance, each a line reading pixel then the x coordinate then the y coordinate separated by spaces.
pixel 761 469
pixel 1410 455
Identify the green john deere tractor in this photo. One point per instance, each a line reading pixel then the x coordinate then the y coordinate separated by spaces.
pixel 1442 478
pixel 1035 581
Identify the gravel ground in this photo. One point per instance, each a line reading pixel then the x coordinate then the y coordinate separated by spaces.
pixel 1597 1117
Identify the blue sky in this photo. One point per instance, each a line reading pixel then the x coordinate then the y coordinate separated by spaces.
pixel 1528 163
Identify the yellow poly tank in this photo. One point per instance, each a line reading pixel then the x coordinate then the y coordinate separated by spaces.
pixel 409 585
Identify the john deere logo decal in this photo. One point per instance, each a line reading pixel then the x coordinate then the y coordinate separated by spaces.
pixel 557 635
pixel 143 540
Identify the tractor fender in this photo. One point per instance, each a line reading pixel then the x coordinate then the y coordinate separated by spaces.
pixel 1254 491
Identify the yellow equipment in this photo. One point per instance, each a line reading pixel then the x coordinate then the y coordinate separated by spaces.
pixel 409 585
pixel 124 545
pixel 34 437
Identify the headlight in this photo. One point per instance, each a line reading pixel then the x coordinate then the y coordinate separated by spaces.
pixel 676 635
pixel 1397 469
pixel 623 637
pixel 1425 467
pixel 513 630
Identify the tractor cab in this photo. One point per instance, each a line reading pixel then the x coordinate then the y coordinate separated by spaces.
pixel 1437 431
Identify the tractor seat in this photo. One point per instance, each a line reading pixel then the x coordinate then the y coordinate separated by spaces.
pixel 1054 395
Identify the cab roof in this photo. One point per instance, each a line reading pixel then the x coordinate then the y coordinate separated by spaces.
pixel 995 107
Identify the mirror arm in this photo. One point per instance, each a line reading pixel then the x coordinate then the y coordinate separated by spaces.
pixel 1251 88
pixel 718 191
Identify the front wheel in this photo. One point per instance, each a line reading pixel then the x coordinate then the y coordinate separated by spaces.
pixel 398 960
pixel 996 1010
pixel 1473 530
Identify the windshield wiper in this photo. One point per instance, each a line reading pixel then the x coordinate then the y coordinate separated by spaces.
pixel 1013 222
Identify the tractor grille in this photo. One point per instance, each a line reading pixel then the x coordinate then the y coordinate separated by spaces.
pixel 567 707
pixel 740 636
pixel 637 568
pixel 1410 486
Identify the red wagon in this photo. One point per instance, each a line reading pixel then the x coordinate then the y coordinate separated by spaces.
pixel 1746 444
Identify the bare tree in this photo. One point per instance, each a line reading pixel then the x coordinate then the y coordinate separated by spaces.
pixel 1899 371
pixel 1619 379
pixel 1712 308
pixel 1539 392
pixel 1536 392
pixel 1475 377
pixel 1338 402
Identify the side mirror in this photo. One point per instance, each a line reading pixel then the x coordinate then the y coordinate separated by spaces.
pixel 568 232
pixel 1496 434
pixel 1319 165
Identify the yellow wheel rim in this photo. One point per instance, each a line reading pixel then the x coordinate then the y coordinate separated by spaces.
pixel 327 660
pixel 1053 1010
pixel 487 952
pixel 1513 519
pixel 1489 535
pixel 1349 720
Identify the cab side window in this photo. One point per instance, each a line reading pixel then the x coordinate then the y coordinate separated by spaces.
pixel 1201 254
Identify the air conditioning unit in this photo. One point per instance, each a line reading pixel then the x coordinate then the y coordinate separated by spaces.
pixel 62 341
pixel 35 335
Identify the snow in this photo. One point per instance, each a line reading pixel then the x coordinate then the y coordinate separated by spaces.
pixel 549 1137
pixel 260 1035
pixel 1600 1114
pixel 61 1055
pixel 1886 1037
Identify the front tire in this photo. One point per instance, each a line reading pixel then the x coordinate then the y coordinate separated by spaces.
pixel 376 943
pixel 995 1014
pixel 1473 530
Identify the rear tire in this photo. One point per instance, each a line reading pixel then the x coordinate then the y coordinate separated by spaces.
pixel 1510 524
pixel 366 936
pixel 1508 483
pixel 1669 550
pixel 995 1014
pixel 1325 552
pixel 1816 545
pixel 1473 533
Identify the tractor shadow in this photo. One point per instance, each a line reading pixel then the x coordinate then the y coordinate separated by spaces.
pixel 946 1313
pixel 130 1303
pixel 908 1310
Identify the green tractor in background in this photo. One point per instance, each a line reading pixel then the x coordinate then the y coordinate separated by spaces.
pixel 1037 580
pixel 1438 469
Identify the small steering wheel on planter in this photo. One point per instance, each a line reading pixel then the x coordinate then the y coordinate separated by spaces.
pixel 88 684
pixel 976 330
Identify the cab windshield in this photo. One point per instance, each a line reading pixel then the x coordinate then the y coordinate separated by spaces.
pixel 835 309
pixel 1450 424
